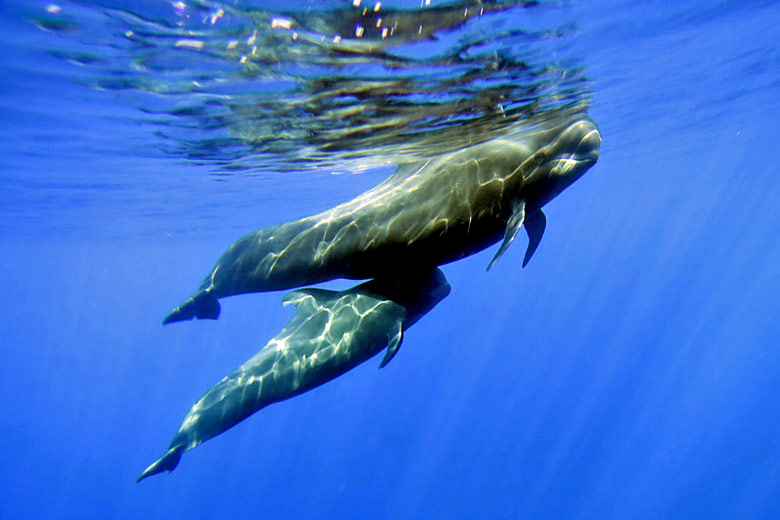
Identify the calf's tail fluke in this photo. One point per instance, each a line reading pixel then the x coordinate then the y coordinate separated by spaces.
pixel 167 462
pixel 201 305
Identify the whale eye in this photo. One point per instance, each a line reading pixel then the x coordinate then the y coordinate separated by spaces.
pixel 540 158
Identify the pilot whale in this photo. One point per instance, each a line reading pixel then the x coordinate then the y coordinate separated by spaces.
pixel 331 333
pixel 424 215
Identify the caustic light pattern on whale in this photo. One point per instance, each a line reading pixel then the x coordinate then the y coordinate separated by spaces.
pixel 424 215
pixel 396 234
pixel 331 333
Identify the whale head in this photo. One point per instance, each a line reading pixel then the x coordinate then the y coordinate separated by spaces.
pixel 564 154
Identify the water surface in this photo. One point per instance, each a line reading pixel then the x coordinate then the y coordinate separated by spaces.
pixel 630 371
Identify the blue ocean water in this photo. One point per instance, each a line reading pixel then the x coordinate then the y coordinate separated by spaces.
pixel 632 370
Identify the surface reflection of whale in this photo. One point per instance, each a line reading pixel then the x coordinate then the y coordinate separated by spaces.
pixel 383 26
pixel 331 333
pixel 423 215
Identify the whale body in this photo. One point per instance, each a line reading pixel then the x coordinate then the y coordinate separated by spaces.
pixel 423 215
pixel 331 333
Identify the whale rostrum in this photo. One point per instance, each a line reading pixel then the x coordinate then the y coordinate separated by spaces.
pixel 331 333
pixel 424 215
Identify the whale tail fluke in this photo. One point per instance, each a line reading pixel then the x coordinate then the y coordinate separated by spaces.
pixel 201 305
pixel 167 462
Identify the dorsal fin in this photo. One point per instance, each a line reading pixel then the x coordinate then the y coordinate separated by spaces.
pixel 404 170
pixel 307 300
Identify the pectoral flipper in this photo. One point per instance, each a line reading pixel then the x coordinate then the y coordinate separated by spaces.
pixel 534 226
pixel 513 225
pixel 394 340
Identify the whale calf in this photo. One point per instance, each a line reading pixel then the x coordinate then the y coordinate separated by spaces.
pixel 331 333
pixel 423 215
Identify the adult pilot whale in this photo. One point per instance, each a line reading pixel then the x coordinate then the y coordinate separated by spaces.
pixel 331 333
pixel 423 215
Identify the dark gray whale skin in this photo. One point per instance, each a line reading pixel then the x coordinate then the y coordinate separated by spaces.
pixel 423 215
pixel 331 333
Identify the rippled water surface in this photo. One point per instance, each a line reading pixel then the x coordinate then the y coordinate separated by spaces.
pixel 630 371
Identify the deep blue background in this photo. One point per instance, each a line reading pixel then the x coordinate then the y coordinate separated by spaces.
pixel 632 370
